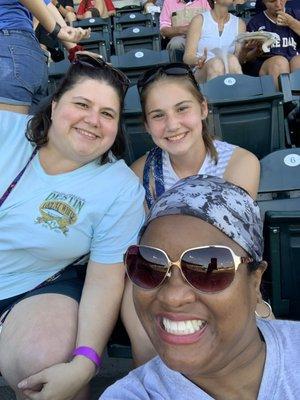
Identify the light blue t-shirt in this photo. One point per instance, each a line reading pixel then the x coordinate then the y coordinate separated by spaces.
pixel 280 381
pixel 13 15
pixel 48 221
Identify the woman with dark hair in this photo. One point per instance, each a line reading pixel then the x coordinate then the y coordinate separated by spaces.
pixel 214 29
pixel 175 111
pixel 196 277
pixel 63 196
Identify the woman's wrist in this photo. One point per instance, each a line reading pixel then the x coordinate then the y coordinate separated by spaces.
pixel 89 354
pixel 85 367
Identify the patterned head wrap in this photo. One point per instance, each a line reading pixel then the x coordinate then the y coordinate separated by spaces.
pixel 218 202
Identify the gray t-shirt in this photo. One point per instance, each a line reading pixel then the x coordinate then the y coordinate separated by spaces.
pixel 280 381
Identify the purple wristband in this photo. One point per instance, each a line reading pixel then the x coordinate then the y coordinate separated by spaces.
pixel 89 353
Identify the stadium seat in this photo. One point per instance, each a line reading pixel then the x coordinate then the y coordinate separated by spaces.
pixel 279 188
pixel 119 344
pixel 132 19
pixel 55 72
pixel 289 84
pixel 279 202
pixel 133 63
pixel 282 252
pixel 138 140
pixel 98 42
pixel 134 7
pixel 96 24
pixel 136 38
pixel 246 10
pixel 246 111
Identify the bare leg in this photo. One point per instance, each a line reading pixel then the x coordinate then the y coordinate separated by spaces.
pixel 295 63
pixel 211 69
pixel 39 332
pixel 234 65
pixel 275 66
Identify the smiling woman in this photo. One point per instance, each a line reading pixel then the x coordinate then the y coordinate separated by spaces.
pixel 64 198
pixel 198 307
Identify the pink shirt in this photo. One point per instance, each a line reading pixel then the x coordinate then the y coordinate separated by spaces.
pixel 174 5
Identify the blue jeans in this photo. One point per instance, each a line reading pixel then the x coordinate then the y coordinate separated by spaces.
pixel 23 68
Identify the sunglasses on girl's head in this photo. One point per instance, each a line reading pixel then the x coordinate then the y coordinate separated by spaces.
pixel 173 69
pixel 92 60
pixel 208 269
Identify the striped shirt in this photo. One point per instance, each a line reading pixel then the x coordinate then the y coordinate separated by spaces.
pixel 224 150
pixel 158 166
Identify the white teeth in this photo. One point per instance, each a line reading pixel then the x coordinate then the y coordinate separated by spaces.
pixel 177 137
pixel 86 133
pixel 182 327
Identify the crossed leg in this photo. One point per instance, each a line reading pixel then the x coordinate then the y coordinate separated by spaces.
pixel 39 332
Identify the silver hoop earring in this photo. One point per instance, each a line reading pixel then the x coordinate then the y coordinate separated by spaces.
pixel 269 311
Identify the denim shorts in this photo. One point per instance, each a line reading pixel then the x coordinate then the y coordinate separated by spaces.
pixel 23 68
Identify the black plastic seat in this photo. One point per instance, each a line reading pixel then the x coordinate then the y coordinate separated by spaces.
pixel 246 111
pixel 98 42
pixel 279 202
pixel 138 140
pixel 279 188
pixel 132 19
pixel 95 23
pixel 137 38
pixel 290 86
pixel 55 72
pixel 134 63
pixel 282 252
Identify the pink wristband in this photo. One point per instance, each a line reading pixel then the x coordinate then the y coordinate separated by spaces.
pixel 89 353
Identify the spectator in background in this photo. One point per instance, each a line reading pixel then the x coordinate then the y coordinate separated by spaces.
pixel 214 29
pixel 95 8
pixel 23 71
pixel 283 56
pixel 66 9
pixel 175 18
pixel 259 6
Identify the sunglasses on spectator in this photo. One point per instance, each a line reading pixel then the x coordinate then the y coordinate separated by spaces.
pixel 208 269
pixel 172 69
pixel 94 60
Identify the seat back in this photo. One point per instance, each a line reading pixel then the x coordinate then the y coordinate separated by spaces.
pixel 282 251
pixel 134 63
pixel 138 140
pixel 132 19
pixel 279 188
pixel 137 38
pixel 246 111
pixel 55 72
pixel 95 23
pixel 98 42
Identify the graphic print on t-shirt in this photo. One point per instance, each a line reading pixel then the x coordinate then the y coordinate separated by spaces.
pixel 59 211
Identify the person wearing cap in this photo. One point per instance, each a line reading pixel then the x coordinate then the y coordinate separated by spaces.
pixel 196 274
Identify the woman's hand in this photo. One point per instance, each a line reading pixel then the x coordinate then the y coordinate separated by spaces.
pixel 251 50
pixel 59 382
pixel 201 60
pixel 284 19
pixel 74 35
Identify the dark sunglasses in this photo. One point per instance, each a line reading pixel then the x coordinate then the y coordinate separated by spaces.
pixel 172 69
pixel 208 269
pixel 92 60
